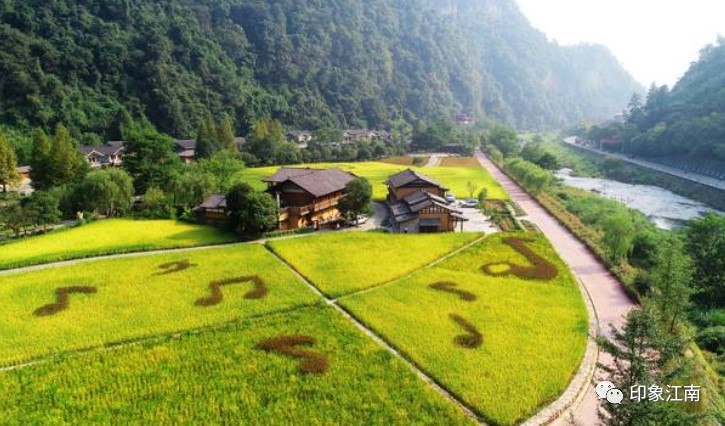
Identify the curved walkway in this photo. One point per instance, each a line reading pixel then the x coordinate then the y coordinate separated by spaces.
pixel 609 299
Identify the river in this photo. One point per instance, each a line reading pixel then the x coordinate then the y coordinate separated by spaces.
pixel 664 208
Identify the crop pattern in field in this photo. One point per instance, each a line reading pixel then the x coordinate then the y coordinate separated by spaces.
pixel 506 345
pixel 222 377
pixel 131 299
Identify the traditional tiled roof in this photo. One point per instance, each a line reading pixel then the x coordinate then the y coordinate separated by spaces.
pixel 186 144
pixel 408 207
pixel 108 149
pixel 408 176
pixel 213 202
pixel 318 182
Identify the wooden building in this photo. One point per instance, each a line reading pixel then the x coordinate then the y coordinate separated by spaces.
pixel 409 181
pixel 213 211
pixel 417 205
pixel 308 197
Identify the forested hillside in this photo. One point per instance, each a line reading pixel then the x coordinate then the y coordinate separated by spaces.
pixel 309 63
pixel 687 122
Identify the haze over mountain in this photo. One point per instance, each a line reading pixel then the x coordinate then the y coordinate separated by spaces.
pixel 310 63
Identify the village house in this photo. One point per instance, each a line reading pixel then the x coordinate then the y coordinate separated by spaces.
pixel 109 154
pixel 417 205
pixel 186 148
pixel 213 211
pixel 308 197
pixel 301 138
pixel 305 197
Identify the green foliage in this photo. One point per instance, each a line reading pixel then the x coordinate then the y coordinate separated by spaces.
pixel 42 209
pixel 107 191
pixel 529 175
pixel 712 339
pixel 155 204
pixel 224 167
pixel 505 139
pixel 149 157
pixel 250 211
pixel 8 174
pixel 671 280
pixel 311 64
pixel 632 348
pixel 55 162
pixel 357 200
pixel 706 245
pixel 267 144
pixel 619 233
pixel 686 123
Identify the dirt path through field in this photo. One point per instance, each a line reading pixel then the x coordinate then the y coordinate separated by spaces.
pixel 609 299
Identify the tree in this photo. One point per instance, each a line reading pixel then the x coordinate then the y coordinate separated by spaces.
pixel 472 187
pixel 226 136
pixel 14 217
pixel 705 242
pixel 109 191
pixel 225 167
pixel 65 162
pixel 149 157
pixel 671 281
pixel 619 235
pixel 155 205
pixel 638 361
pixel 42 209
pixel 357 200
pixel 250 211
pixel 8 167
pixel 482 197
pixel 40 173
pixel 505 139
pixel 193 186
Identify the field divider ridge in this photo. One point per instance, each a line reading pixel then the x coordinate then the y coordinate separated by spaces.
pixel 430 381
pixel 410 274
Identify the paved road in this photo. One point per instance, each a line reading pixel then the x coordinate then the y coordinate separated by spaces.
pixel 609 299
pixel 693 177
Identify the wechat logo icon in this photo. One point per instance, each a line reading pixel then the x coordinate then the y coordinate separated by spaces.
pixel 607 390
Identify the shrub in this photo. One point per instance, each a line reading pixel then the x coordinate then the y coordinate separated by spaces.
pixel 712 339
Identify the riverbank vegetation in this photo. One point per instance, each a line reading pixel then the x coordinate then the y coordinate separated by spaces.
pixel 677 275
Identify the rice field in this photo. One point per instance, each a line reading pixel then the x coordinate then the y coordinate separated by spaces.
pixel 108 237
pixel 505 345
pixel 456 178
pixel 340 263
pixel 220 377
pixel 140 296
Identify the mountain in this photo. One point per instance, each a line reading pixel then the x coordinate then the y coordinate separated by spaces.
pixel 310 63
pixel 686 124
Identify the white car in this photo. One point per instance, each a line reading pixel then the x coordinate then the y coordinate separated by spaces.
pixel 450 198
pixel 360 220
pixel 470 203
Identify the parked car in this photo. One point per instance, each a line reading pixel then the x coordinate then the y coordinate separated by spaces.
pixel 450 198
pixel 470 203
pixel 360 220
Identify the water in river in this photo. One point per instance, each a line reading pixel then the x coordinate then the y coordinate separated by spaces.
pixel 664 208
